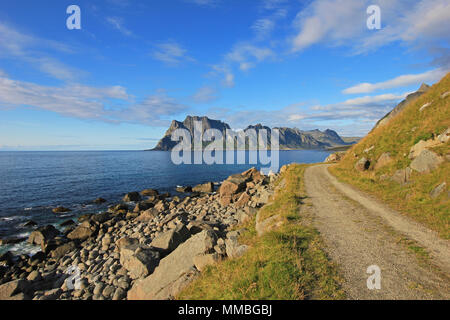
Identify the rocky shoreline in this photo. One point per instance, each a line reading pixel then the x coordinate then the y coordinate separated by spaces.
pixel 149 246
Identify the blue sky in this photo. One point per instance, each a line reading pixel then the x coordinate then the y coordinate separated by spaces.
pixel 136 65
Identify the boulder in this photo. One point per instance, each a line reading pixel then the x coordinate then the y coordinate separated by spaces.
pixel 101 217
pixel 67 223
pixel 43 234
pixel 207 187
pixel 235 184
pixel 175 271
pixel 60 251
pixel 118 207
pixel 149 192
pixel 402 176
pixel 132 197
pixel 60 210
pixel 13 290
pixel 421 146
pixel 445 136
pixel 203 260
pixel 253 175
pixel 436 192
pixel 84 217
pixel 335 157
pixel 264 225
pixel 127 242
pixel 184 189
pixel 52 244
pixel 233 248
pixel 170 240
pixel 143 205
pixel 426 162
pixel 362 164
pixel 383 160
pixel 245 215
pixel 140 262
pixel 83 231
pixel 243 200
pixel 195 227
pixel 147 215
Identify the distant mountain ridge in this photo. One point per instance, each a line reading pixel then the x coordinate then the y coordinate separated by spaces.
pixel 290 138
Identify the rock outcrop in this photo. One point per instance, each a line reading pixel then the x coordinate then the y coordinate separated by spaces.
pixel 137 252
pixel 426 162
pixel 175 271
pixel 290 138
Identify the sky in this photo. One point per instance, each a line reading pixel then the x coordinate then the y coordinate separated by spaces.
pixel 134 66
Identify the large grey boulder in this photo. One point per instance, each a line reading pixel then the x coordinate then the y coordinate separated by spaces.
pixel 43 234
pixel 265 225
pixel 175 271
pixel 139 262
pixel 60 251
pixel 170 240
pixel 402 176
pixel 362 164
pixel 84 231
pixel 204 188
pixel 132 196
pixel 426 162
pixel 383 160
pixel 13 290
pixel 148 215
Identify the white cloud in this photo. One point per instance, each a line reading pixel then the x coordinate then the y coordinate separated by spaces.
pixel 247 55
pixel 225 71
pixel 357 116
pixel 205 94
pixel 400 81
pixel 418 24
pixel 90 103
pixel 263 27
pixel 3 74
pixel 117 23
pixel 21 46
pixel 171 53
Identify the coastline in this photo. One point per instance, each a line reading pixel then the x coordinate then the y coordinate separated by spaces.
pixel 127 242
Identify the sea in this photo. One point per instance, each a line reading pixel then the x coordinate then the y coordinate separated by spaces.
pixel 33 183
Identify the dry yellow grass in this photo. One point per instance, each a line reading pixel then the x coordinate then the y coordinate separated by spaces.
pixel 397 138
pixel 286 264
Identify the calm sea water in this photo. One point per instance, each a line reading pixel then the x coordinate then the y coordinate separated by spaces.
pixel 32 183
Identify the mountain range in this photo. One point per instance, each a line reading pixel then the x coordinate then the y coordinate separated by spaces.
pixel 290 138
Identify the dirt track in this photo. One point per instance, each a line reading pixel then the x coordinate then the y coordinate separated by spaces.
pixel 359 231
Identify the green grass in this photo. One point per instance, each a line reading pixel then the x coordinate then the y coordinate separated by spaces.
pixel 397 137
pixel 286 264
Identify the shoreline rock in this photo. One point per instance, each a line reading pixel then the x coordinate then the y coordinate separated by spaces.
pixel 163 241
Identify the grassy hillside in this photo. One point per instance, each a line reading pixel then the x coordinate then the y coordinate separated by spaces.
pixel 286 264
pixel 397 137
